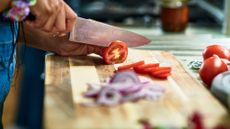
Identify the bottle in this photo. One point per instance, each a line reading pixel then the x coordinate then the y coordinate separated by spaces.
pixel 174 15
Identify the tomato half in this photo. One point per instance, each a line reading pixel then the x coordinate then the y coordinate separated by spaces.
pixel 210 68
pixel 218 50
pixel 117 52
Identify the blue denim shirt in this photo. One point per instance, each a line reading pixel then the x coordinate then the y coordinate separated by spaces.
pixel 8 35
pixel 7 63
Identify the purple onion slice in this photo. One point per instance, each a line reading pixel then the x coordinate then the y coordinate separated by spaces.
pixel 109 97
pixel 125 77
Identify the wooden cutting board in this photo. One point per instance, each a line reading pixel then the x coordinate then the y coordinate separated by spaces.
pixel 66 80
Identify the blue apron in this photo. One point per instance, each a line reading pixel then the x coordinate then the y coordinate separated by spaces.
pixel 8 35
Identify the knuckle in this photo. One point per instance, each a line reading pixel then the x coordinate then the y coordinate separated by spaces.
pixel 49 11
pixel 48 30
pixel 58 6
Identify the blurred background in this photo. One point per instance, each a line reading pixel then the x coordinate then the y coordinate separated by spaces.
pixel 145 13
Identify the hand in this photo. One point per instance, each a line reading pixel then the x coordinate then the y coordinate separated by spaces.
pixel 53 16
pixel 64 47
pixel 59 45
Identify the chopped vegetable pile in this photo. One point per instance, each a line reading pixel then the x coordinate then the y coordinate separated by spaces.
pixel 152 69
pixel 124 86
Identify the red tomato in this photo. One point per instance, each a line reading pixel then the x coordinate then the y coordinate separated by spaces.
pixel 144 69
pixel 129 66
pixel 221 51
pixel 162 76
pixel 117 52
pixel 161 72
pixel 210 68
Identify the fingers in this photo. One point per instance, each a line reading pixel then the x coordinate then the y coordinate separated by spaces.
pixel 53 16
pixel 48 27
pixel 60 24
pixel 71 18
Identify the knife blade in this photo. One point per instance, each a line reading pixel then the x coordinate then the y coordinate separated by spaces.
pixel 92 32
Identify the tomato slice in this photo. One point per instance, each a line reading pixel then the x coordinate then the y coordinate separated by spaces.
pixel 145 68
pixel 117 52
pixel 129 66
pixel 162 76
pixel 161 70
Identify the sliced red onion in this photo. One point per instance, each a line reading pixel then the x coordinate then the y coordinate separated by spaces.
pixel 147 92
pixel 109 97
pixel 132 89
pixel 125 77
pixel 92 93
pixel 124 86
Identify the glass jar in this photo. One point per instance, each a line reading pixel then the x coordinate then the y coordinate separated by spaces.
pixel 174 15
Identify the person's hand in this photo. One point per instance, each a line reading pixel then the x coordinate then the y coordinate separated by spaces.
pixel 53 16
pixel 62 46
pixel 59 45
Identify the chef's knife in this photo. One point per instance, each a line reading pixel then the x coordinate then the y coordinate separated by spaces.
pixel 100 34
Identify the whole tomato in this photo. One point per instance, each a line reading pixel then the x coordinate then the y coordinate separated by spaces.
pixel 221 51
pixel 210 68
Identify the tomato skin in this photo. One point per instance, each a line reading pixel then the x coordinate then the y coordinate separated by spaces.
pixel 161 76
pixel 110 58
pixel 161 72
pixel 129 66
pixel 145 68
pixel 210 68
pixel 218 50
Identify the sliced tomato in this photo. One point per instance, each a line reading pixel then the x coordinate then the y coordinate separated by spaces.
pixel 161 70
pixel 117 52
pixel 145 68
pixel 162 76
pixel 129 66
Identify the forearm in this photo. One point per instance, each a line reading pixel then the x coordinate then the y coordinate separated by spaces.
pixel 4 4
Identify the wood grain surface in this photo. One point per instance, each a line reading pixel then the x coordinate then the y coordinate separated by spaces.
pixel 66 80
